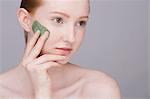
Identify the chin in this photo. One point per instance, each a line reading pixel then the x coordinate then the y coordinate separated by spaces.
pixel 63 62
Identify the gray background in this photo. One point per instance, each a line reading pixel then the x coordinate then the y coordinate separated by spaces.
pixel 149 42
pixel 116 42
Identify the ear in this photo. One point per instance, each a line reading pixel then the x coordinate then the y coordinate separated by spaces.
pixel 24 19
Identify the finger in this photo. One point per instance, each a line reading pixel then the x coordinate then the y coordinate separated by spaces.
pixel 38 46
pixel 46 58
pixel 31 43
pixel 42 67
pixel 47 65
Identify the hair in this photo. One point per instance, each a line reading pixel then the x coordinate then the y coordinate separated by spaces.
pixel 30 6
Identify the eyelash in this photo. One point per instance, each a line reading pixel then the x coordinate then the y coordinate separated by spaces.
pixel 82 23
pixel 59 20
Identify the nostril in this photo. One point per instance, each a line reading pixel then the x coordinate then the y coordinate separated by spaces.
pixel 69 37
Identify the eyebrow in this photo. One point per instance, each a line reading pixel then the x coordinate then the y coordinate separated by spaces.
pixel 84 17
pixel 66 15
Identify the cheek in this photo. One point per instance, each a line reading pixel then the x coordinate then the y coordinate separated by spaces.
pixel 79 39
pixel 51 43
pixel 54 37
pixel 80 36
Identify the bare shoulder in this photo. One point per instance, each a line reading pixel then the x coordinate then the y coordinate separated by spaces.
pixel 4 91
pixel 6 81
pixel 100 85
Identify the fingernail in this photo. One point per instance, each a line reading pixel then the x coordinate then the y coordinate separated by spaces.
pixel 64 56
pixel 43 31
pixel 38 31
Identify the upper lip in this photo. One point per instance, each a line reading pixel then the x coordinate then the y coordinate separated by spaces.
pixel 65 48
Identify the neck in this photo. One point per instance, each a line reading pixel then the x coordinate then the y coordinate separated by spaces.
pixel 57 75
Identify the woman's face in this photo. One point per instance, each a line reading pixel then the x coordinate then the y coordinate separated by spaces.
pixel 66 20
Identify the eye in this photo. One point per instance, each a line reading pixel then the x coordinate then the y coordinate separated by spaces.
pixel 81 23
pixel 58 20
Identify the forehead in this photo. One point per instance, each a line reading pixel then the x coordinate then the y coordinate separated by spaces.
pixel 69 6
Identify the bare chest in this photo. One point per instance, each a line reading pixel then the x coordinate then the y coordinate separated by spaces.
pixel 72 92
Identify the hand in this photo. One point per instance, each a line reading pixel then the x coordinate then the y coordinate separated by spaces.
pixel 37 66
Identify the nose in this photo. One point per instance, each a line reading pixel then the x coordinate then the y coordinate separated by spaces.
pixel 69 34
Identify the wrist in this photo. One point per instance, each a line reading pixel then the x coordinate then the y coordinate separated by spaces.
pixel 40 94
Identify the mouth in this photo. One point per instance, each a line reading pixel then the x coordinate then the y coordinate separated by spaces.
pixel 64 51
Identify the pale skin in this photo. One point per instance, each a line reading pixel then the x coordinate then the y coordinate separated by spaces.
pixel 44 72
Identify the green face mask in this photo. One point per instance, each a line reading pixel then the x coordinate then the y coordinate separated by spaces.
pixel 37 26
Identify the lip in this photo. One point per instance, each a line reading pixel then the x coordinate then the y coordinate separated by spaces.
pixel 64 51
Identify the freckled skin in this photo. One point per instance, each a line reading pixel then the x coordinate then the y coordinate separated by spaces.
pixel 37 26
pixel 37 80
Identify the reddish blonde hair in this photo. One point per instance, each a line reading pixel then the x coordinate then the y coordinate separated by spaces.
pixel 30 6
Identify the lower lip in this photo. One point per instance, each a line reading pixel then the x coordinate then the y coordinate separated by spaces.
pixel 63 52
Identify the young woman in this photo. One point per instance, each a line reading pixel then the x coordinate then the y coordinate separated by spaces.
pixel 44 72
